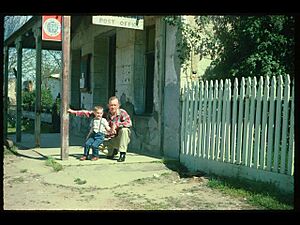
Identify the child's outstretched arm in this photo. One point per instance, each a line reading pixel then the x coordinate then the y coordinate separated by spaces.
pixel 80 112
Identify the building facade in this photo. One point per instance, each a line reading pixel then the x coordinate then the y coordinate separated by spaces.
pixel 139 67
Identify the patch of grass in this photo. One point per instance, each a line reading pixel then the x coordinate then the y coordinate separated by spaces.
pixel 27 126
pixel 140 180
pixel 52 163
pixel 260 194
pixel 79 181
pixel 18 179
pixel 23 171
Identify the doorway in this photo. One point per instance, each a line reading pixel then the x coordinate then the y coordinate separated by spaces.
pixel 112 66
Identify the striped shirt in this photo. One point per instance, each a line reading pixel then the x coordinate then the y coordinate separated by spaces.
pixel 99 125
pixel 122 119
pixel 95 123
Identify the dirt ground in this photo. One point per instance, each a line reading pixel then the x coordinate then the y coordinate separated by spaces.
pixel 27 189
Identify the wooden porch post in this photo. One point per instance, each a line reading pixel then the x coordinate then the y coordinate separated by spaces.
pixel 38 82
pixel 65 88
pixel 5 100
pixel 18 44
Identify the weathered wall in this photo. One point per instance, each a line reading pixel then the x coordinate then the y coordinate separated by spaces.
pixel 149 131
pixel 171 96
pixel 87 40
pixel 146 129
pixel 130 83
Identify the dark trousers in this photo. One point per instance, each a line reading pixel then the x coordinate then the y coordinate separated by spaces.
pixel 93 141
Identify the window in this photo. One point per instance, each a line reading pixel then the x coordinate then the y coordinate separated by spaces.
pixel 149 59
pixel 85 72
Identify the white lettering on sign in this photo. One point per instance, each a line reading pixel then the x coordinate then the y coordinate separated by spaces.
pixel 136 22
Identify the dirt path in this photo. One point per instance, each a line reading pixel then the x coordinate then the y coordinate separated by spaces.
pixel 27 189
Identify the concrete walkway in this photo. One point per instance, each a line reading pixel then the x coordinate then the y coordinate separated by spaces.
pixel 111 172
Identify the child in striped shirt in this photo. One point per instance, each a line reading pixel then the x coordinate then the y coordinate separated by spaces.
pixel 99 128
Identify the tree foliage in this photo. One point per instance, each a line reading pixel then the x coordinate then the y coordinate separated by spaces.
pixel 241 46
pixel 29 100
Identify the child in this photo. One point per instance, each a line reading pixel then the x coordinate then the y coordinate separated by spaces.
pixel 99 128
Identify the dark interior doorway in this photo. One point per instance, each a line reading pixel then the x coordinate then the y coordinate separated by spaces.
pixel 112 66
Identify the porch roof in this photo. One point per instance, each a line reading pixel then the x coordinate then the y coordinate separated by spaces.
pixel 28 40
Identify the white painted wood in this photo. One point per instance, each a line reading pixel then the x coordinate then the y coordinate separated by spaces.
pixel 200 125
pixel 250 136
pixel 251 122
pixel 208 130
pixel 291 138
pixel 286 100
pixel 246 123
pixel 183 125
pixel 186 120
pixel 227 123
pixel 214 121
pixel 223 128
pixel 234 121
pixel 219 124
pixel 240 122
pixel 271 125
pixel 277 138
pixel 204 124
pixel 195 120
pixel 257 131
pixel 264 125
pixel 192 119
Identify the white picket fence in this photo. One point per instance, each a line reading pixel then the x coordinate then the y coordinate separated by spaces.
pixel 244 129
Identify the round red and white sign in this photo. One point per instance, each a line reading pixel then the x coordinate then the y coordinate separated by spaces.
pixel 52 27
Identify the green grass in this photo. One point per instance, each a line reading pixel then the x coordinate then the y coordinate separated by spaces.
pixel 23 171
pixel 28 127
pixel 18 180
pixel 79 181
pixel 261 194
pixel 52 163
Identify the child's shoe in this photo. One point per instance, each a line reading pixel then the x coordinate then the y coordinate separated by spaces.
pixel 83 158
pixel 95 158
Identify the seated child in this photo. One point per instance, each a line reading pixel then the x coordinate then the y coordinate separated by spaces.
pixel 99 128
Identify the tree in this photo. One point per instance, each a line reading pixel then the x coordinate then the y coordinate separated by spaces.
pixel 253 46
pixel 240 46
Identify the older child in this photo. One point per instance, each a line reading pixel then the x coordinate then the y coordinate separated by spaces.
pixel 99 128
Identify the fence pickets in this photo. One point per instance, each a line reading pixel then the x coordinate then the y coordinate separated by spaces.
pixel 248 123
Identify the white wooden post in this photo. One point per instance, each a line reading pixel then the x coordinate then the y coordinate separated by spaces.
pixel 271 124
pixel 208 129
pixel 214 121
pixel 240 122
pixel 204 125
pixel 264 124
pixel 200 124
pixel 291 134
pixel 246 122
pixel 234 121
pixel 258 123
pixel 286 100
pixel 219 123
pixel 278 123
pixel 251 122
pixel 228 123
